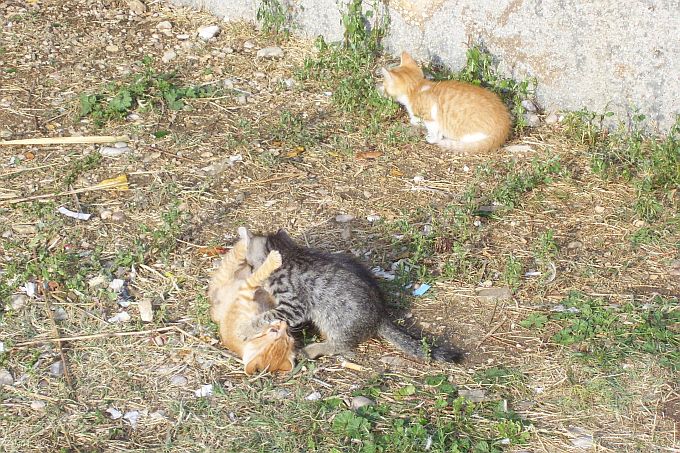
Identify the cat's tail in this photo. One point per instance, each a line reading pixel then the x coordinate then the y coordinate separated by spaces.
pixel 414 347
pixel 488 143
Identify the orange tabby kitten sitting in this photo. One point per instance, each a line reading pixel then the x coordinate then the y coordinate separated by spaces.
pixel 236 297
pixel 458 116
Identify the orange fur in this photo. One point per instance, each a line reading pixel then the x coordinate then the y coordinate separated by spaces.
pixel 236 297
pixel 458 116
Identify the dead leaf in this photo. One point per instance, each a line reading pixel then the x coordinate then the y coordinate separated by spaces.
pixel 365 155
pixel 212 251
pixel 53 285
pixel 117 183
pixel 29 155
pixel 295 152
pixel 396 172
pixel 276 144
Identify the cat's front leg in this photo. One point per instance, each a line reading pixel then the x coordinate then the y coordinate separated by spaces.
pixel 288 309
pixel 434 135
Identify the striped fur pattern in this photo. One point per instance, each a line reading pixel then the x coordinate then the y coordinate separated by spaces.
pixel 458 116
pixel 334 292
pixel 236 298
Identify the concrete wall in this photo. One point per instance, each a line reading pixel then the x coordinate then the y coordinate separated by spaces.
pixel 615 55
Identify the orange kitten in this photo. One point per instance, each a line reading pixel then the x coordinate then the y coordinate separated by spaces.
pixel 458 116
pixel 236 297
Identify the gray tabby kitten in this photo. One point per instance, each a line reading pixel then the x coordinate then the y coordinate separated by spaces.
pixel 334 292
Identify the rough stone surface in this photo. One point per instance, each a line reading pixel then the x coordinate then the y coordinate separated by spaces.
pixel 562 44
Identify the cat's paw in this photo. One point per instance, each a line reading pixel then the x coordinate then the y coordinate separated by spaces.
pixel 432 139
pixel 275 259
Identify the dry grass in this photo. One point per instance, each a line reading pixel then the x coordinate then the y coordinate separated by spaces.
pixel 184 196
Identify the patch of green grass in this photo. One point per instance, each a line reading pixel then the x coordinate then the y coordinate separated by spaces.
pixel 147 89
pixel 651 164
pixel 347 68
pixel 510 190
pixel 603 334
pixel 513 271
pixel 546 247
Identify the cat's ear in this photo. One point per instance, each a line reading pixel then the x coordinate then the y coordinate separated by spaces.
pixel 407 59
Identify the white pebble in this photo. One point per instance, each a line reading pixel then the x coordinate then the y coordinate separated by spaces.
pixel 165 25
pixel 314 396
pixel 270 52
pixel 168 56
pixel 209 32
pixel 344 218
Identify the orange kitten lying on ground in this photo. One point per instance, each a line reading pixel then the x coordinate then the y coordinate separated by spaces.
pixel 236 298
pixel 458 116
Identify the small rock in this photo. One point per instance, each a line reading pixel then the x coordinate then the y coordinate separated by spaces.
pixel 248 44
pixel 582 439
pixel 60 314
pixel 344 218
pixel 281 394
pixel 120 145
pixel 179 380
pixel 145 310
pixel 204 391
pixel 18 301
pixel 418 178
pixel 518 149
pixel 116 285
pixel 259 75
pixel 5 133
pixel 529 106
pixel 7 234
pixel 360 401
pixel 207 154
pixel 314 396
pixel 133 117
pixel 6 377
pixel 551 119
pixel 105 214
pixel 123 316
pixel 639 223
pixel 118 216
pixel 168 56
pixel 494 293
pixel 164 25
pixel 112 48
pixel 373 218
pixel 182 36
pixel 38 406
pixel 137 7
pixel 112 151
pixel 532 119
pixel 114 413
pixel 289 83
pixel 574 245
pixel 242 99
pixel 599 209
pixel 208 32
pixel 132 417
pixel 57 369
pixel 270 52
pixel 24 229
pixel 474 395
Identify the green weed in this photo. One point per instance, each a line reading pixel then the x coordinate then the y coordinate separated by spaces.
pixel 274 18
pixel 605 334
pixel 347 68
pixel 147 89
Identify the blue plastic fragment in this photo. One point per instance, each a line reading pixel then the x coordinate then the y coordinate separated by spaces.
pixel 422 289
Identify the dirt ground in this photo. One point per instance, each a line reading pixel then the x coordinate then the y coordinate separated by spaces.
pixel 237 158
